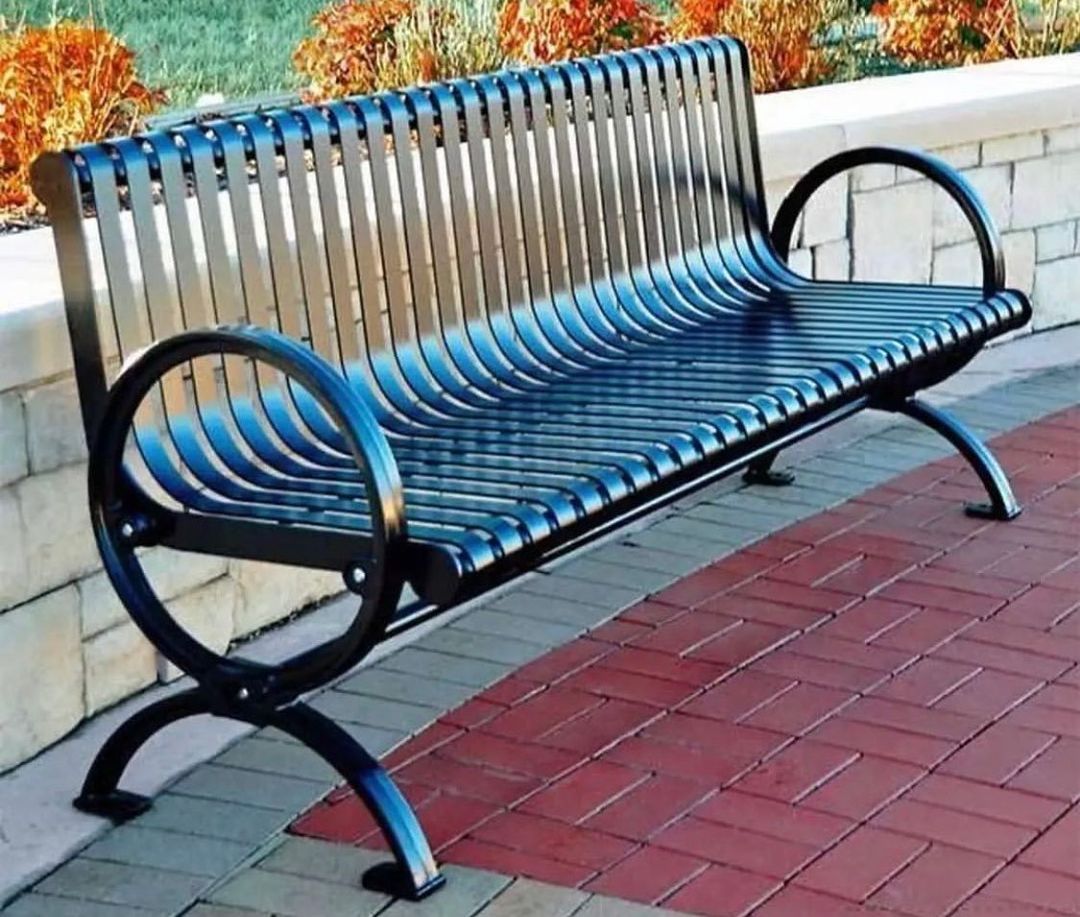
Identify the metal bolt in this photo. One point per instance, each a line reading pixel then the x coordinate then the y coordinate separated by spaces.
pixel 357 575
pixel 243 694
pixel 127 530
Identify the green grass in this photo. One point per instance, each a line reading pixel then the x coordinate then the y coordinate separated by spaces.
pixel 189 47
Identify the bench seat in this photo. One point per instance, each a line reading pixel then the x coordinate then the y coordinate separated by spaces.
pixel 488 485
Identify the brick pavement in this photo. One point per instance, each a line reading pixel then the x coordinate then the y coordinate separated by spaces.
pixel 876 710
pixel 215 834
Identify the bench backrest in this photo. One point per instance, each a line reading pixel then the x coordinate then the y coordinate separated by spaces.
pixel 371 227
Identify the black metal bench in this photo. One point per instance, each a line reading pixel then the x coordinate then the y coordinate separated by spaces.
pixel 441 335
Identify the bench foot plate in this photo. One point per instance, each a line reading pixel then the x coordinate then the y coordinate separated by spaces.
pixel 989 511
pixel 118 805
pixel 391 879
pixel 769 477
pixel 1002 504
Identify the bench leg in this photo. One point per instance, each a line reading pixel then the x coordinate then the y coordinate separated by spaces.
pixel 100 793
pixel 761 471
pixel 1002 504
pixel 415 874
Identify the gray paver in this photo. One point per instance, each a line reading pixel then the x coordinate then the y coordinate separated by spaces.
pixel 485 647
pixel 221 910
pixel 593 570
pixel 548 608
pixel 255 753
pixel 527 898
pixel 139 846
pixel 602 595
pixel 266 791
pixel 840 468
pixel 377 740
pixel 374 711
pixel 842 488
pixel 315 859
pixel 377 681
pixel 723 537
pixel 296 896
pixel 416 660
pixel 120 883
pixel 465 893
pixel 700 552
pixel 38 905
pixel 629 555
pixel 602 906
pixel 525 627
pixel 770 499
pixel 212 818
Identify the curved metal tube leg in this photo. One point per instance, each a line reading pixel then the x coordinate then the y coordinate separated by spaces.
pixel 100 793
pixel 415 875
pixel 1002 505
pixel 761 471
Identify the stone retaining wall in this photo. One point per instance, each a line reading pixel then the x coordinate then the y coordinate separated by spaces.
pixel 67 649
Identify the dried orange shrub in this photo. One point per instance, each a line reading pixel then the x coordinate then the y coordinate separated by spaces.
pixel 363 45
pixel 61 84
pixel 443 39
pixel 783 35
pixel 536 31
pixel 352 41
pixel 949 32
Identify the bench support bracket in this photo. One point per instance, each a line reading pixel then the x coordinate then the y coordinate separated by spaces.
pixel 1002 504
pixel 414 875
pixel 761 471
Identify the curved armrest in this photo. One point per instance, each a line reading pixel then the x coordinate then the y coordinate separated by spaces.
pixel 937 170
pixel 328 387
pixel 122 514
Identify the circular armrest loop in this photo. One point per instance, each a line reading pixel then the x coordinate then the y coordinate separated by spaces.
pixel 937 170
pixel 112 492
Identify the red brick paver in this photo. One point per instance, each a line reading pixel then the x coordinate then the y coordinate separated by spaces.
pixel 876 710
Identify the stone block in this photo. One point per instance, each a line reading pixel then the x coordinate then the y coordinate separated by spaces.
pixel 801 261
pixel 1057 241
pixel 54 426
pixel 208 614
pixel 958 266
pixel 1046 190
pixel 13 579
pixel 961 156
pixel 872 177
pixel 118 662
pixel 893 234
pixel 13 457
pixel 1020 260
pixel 99 607
pixel 825 218
pixel 1012 148
pixel 60 547
pixel 775 192
pixel 271 592
pixel 41 674
pixel 1062 139
pixel 993 185
pixel 171 573
pixel 1057 293
pixel 174 573
pixel 832 261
